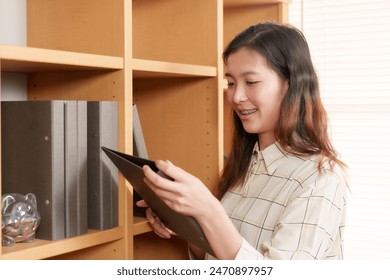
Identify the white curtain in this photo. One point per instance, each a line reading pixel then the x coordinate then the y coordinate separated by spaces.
pixel 350 47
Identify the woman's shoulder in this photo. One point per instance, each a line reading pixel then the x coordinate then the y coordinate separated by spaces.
pixel 325 180
pixel 302 169
pixel 313 168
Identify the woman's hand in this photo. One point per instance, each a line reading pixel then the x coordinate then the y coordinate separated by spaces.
pixel 158 227
pixel 185 194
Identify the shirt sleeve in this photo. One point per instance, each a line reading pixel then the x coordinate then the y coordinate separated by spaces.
pixel 248 252
pixel 310 225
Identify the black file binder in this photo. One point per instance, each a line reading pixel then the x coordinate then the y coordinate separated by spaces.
pixel 102 173
pixel 44 152
pixel 186 227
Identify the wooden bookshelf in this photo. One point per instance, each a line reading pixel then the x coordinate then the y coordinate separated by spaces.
pixel 164 56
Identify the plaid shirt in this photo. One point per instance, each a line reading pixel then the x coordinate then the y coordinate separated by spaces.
pixel 287 209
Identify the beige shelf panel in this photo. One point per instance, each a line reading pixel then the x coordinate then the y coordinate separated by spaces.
pixel 151 69
pixel 43 249
pixel 176 30
pixel 27 59
pixel 235 3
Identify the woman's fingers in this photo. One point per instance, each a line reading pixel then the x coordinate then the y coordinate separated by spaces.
pixel 157 225
pixel 141 203
pixel 163 188
pixel 166 189
pixel 155 179
pixel 171 170
pixel 150 216
pixel 185 194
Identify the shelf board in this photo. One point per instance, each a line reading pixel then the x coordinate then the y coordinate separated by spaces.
pixel 235 3
pixel 29 60
pixel 42 249
pixel 151 69
pixel 141 225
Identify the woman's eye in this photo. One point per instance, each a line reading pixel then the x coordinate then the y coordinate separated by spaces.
pixel 251 82
pixel 230 84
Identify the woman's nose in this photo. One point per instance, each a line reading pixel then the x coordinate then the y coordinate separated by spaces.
pixel 239 95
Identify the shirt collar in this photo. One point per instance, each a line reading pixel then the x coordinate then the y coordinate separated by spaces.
pixel 270 155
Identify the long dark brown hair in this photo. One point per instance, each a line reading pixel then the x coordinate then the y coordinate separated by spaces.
pixel 302 129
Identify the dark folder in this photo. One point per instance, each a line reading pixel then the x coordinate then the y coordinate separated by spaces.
pixel 185 226
pixel 139 150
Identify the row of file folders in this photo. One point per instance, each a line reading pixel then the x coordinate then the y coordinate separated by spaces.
pixel 53 149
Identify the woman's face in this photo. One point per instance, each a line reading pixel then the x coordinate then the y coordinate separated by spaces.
pixel 255 92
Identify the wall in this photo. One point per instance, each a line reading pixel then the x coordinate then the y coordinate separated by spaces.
pixel 13 31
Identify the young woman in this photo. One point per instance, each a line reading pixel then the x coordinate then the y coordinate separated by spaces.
pixel 283 192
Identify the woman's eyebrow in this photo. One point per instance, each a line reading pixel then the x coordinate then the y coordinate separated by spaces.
pixel 243 74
